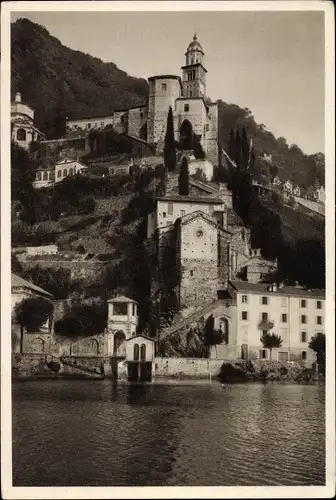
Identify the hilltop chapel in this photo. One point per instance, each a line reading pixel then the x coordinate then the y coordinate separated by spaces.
pixel 193 111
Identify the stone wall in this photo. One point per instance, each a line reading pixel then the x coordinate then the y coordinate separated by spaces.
pixel 187 367
pixel 199 281
pixel 78 269
pixel 137 117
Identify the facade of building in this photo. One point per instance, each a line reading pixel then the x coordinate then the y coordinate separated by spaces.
pixel 24 131
pixel 320 195
pixel 187 96
pixel 297 315
pixel 67 167
pixel 45 177
pixel 122 324
pixel 288 187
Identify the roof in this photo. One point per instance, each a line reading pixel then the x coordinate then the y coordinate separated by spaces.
pixel 122 298
pixel 202 185
pixel 198 213
pixel 190 199
pixel 233 218
pixel 142 336
pixel 159 77
pixel 18 282
pixel 245 286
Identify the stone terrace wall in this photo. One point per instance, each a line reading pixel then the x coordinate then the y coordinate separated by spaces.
pixel 187 367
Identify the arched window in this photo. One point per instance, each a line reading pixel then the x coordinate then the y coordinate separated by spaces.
pixel 45 176
pixel 119 339
pixel 21 134
pixel 52 175
pixel 65 172
pixel 143 352
pixel 136 352
pixel 38 345
pixel 71 171
pixel 59 173
pixel 38 176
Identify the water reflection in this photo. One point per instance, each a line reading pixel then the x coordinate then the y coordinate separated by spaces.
pixel 99 434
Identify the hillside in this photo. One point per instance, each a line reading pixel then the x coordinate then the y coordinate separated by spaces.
pixel 59 82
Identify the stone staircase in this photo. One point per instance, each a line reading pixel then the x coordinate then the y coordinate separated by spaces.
pixel 77 369
pixel 183 323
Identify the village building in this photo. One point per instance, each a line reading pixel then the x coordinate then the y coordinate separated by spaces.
pixel 193 111
pixel 277 181
pixel 287 187
pixel 45 177
pixel 67 168
pixel 297 191
pixel 320 195
pixel 24 130
pixel 296 313
pixel 36 342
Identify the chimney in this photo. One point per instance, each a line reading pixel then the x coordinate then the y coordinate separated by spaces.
pixel 18 97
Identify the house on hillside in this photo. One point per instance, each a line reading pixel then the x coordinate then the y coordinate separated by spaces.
pixel 320 195
pixel 37 342
pixel 287 187
pixel 67 168
pixel 24 130
pixel 297 191
pixel 45 177
pixel 277 181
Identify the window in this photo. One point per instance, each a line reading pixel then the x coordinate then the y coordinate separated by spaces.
pixel 141 115
pixel 120 309
pixel 207 128
pixel 133 309
pixel 304 355
pixel 71 171
pixel 244 299
pixel 163 86
pixel 303 303
pixel 65 172
pixel 136 352
pixel 122 119
pixel 186 107
pixel 283 302
pixel 21 134
pixel 264 316
pixel 164 215
pixel 191 273
pixel 318 304
pixel 283 318
pixel 263 354
pixel 38 176
pixel 319 320
pixel 59 173
pixel 45 176
pixel 303 319
pixel 88 125
pixel 190 93
pixel 182 213
pixel 264 301
pixel 143 352
pixel 303 336
pixel 244 315
pixel 170 209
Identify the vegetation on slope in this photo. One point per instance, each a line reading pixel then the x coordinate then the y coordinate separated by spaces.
pixel 59 82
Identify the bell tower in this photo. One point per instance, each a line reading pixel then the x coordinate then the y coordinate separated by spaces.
pixel 194 73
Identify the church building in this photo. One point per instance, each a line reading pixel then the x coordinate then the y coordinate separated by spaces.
pixel 193 111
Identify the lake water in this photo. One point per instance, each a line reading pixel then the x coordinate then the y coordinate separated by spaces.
pixel 90 433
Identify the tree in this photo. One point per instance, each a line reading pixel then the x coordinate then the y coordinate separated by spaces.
pixel 269 340
pixel 55 281
pixel 83 320
pixel 169 152
pixel 238 150
pixel 232 145
pixel 245 149
pixel 212 336
pixel 16 267
pixel 318 344
pixel 31 314
pixel 183 180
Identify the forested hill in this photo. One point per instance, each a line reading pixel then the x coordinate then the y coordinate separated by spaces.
pixel 59 82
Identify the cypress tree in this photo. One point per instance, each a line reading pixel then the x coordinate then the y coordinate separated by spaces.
pixel 238 150
pixel 245 149
pixel 183 180
pixel 169 152
pixel 232 145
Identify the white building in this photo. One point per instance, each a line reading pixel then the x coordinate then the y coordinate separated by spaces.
pixel 288 187
pixel 320 194
pixel 171 207
pixel 297 314
pixel 297 191
pixel 277 181
pixel 45 177
pixel 67 167
pixel 90 122
pixel 24 130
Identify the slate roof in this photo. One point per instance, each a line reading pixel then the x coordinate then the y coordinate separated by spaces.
pixel 18 282
pixel 142 336
pixel 245 286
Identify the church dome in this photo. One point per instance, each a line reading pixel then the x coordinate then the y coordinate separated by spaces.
pixel 194 45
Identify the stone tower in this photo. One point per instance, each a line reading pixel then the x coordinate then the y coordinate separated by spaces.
pixel 194 73
pixel 122 324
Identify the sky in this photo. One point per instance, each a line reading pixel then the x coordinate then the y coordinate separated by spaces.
pixel 271 62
